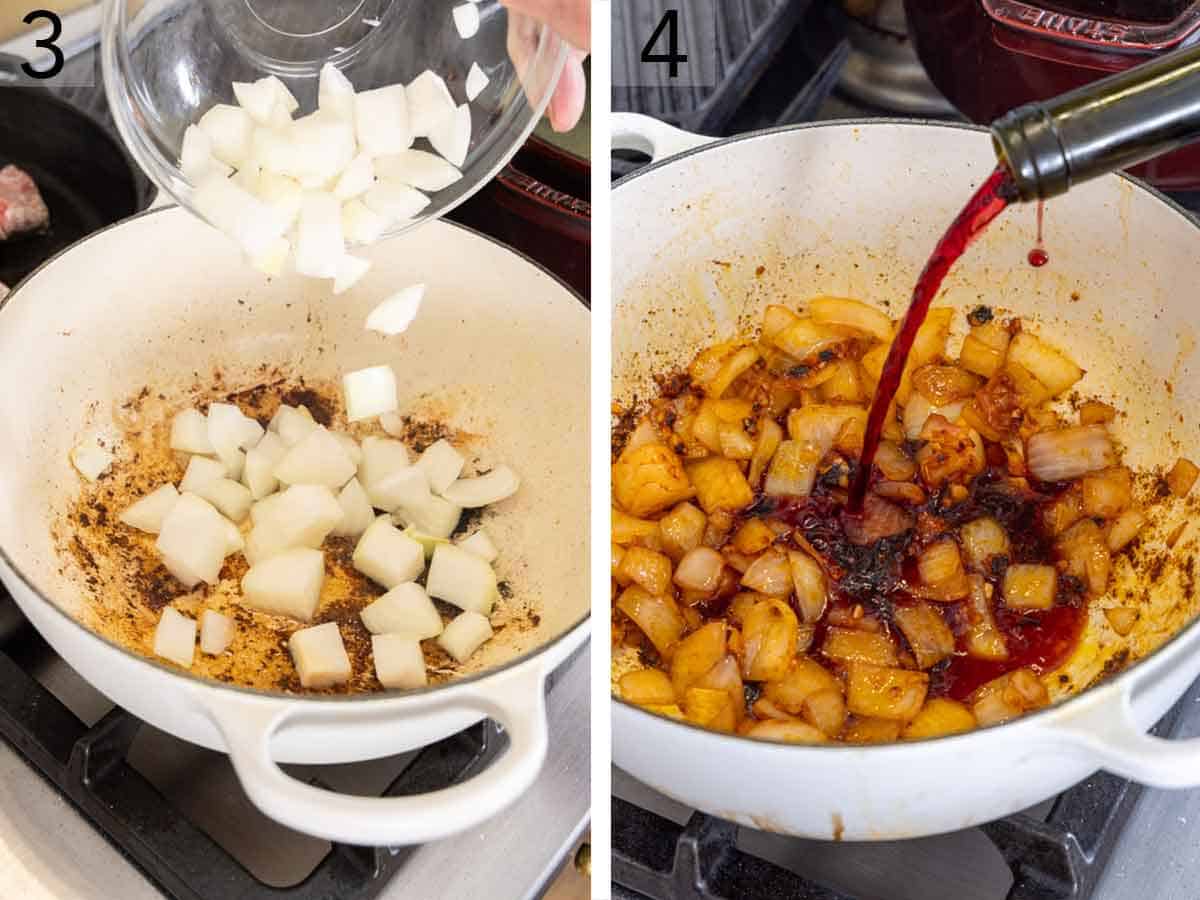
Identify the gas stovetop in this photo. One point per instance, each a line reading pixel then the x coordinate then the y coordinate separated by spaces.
pixel 779 62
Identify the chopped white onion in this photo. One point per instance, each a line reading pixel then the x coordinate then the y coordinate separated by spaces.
pixel 234 542
pixel 477 81
pixel 361 224
pixel 405 487
pixel 428 542
pixel 350 445
pixel 231 499
pixel 369 392
pixel 387 556
pixel 91 458
pixel 268 100
pixel 196 158
pixel 193 541
pixel 355 178
pixel 189 432
pixel 380 458
pixel 381 120
pixel 175 637
pixel 462 578
pixel 435 517
pixel 481 544
pixel 396 313
pixel 466 20
pixel 392 423
pixel 282 194
pixel 318 458
pixel 229 129
pixel 293 424
pixel 318 147
pixel 357 514
pixel 228 431
pixel 301 516
pixel 417 168
pixel 350 270
pixel 254 225
pixel 147 514
pixel 407 610
pixel 287 584
pixel 394 200
pixel 483 490
pixel 464 635
pixel 320 656
pixel 335 93
pixel 399 662
pixel 200 472
pixel 442 465
pixel 319 242
pixel 273 262
pixel 452 136
pixel 258 473
pixel 216 632
pixel 429 102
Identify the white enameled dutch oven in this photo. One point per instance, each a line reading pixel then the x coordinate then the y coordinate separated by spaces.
pixel 160 299
pixel 703 240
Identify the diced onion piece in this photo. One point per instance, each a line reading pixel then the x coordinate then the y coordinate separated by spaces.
pixel 404 487
pixel 320 656
pixel 234 542
pixel 381 120
pixel 318 458
pixel 394 200
pixel 228 128
pixel 293 424
pixel 926 632
pixel 452 136
pixel 193 541
pixel 983 539
pixel 392 423
pixel 1182 477
pixel 1121 618
pixel 362 225
pixel 808 580
pixel 483 490
pixel 399 662
pixel 481 544
pixel 216 632
pixel 1048 365
pixel 303 515
pixel 436 517
pixel 357 514
pixel 418 168
pixel 700 570
pixel 1069 452
pixel 793 470
pixel 175 637
pixel 317 149
pixel 287 584
pixel 386 555
pixel 477 81
pixel 283 195
pixel 258 473
pixel 1028 586
pixel 461 578
pixel 350 445
pixel 335 93
pixel 147 514
pixel 464 635
pixel 380 458
pixel 370 392
pixel 940 716
pixel 884 692
pixel 228 432
pixel 91 458
pixel 428 542
pixel 273 261
pixel 851 314
pixel 230 498
pixel 320 244
pixel 396 313
pixel 429 103
pixel 268 100
pixel 769 574
pixel 442 464
pixel 405 610
pixel 201 471
pixel 189 432
pixel 466 20
pixel 1125 529
pixel 940 566
pixel 196 158
pixel 355 178
pixel 254 225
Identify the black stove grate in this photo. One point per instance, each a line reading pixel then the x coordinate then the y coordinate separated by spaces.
pixel 88 766
pixel 1058 858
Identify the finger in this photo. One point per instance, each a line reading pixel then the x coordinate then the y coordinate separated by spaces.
pixel 570 18
pixel 566 106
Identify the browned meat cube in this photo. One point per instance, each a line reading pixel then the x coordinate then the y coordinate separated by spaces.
pixel 21 206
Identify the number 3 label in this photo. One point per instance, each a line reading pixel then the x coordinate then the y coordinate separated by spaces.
pixel 46 43
pixel 670 24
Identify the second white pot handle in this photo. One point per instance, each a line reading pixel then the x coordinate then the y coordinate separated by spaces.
pixel 392 821
pixel 632 131
pixel 1109 733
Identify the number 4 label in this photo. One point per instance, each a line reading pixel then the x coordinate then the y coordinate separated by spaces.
pixel 670 24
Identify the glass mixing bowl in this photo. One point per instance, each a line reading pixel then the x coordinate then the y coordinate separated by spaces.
pixel 167 61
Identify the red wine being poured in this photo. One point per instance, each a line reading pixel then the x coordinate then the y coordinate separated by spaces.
pixel 1038 256
pixel 987 203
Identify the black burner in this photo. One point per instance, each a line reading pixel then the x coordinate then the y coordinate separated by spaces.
pixel 88 765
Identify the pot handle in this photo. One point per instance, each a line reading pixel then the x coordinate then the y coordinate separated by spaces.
pixel 1108 731
pixel 517 702
pixel 633 131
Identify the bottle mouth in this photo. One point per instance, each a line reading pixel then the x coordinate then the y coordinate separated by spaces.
pixel 1027 143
